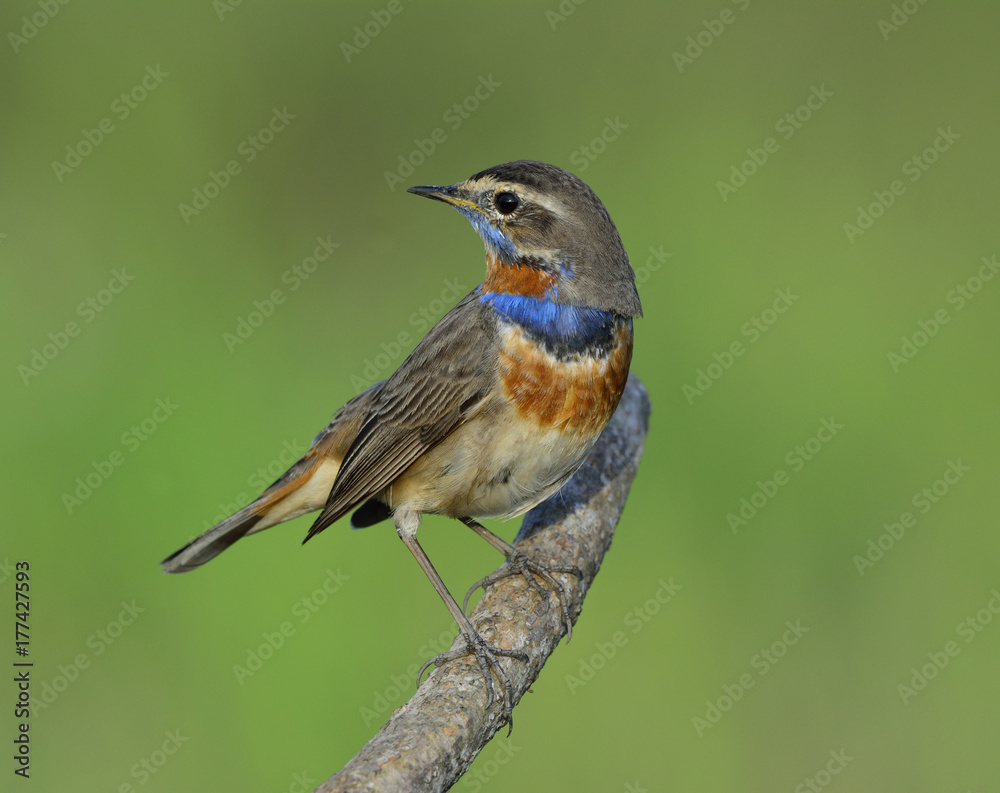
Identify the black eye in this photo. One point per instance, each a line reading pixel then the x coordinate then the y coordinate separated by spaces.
pixel 506 202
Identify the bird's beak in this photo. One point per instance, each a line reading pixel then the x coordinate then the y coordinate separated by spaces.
pixel 455 194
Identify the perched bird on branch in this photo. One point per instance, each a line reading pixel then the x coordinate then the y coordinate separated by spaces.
pixel 495 408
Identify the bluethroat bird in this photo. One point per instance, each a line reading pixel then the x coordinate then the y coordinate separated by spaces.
pixel 495 408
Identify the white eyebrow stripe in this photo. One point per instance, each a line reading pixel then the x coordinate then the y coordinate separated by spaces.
pixel 545 202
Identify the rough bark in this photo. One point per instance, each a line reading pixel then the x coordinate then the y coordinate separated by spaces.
pixel 429 742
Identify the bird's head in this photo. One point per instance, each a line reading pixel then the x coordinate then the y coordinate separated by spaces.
pixel 547 236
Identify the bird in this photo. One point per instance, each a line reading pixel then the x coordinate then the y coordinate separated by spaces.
pixel 493 410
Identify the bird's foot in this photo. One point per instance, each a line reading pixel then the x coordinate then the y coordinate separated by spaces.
pixel 519 563
pixel 489 663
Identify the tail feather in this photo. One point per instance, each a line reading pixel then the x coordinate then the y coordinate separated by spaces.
pixel 212 542
pixel 303 488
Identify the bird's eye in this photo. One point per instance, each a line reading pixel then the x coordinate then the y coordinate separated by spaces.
pixel 506 202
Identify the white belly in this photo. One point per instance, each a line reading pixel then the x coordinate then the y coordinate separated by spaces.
pixel 491 468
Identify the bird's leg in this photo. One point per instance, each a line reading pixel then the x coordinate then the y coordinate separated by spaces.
pixel 519 563
pixel 475 645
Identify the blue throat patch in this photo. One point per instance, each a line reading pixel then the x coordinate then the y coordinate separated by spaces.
pixel 502 247
pixel 561 328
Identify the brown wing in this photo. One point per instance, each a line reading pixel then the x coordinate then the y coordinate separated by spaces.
pixel 435 389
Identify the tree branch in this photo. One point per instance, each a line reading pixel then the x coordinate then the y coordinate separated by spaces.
pixel 430 741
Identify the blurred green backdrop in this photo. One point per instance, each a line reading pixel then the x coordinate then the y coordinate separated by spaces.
pixel 807 192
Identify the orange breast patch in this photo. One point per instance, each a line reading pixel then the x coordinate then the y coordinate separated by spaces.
pixel 515 279
pixel 579 395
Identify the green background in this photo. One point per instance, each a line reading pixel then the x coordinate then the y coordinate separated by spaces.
pixel 672 131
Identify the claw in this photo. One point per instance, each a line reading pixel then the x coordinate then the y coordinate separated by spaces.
pixel 489 663
pixel 519 563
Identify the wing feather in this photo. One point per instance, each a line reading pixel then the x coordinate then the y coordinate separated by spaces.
pixel 443 381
